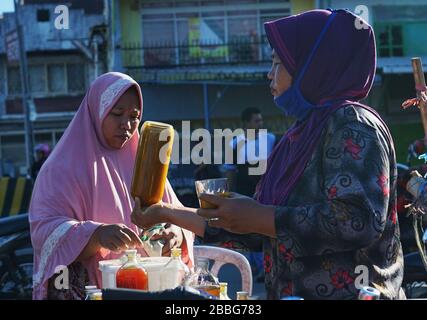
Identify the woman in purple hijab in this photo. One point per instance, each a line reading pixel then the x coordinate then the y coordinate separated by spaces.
pixel 326 207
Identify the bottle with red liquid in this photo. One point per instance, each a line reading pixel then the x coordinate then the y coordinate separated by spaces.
pixel 131 275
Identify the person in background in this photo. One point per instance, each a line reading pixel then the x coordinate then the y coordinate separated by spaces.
pixel 42 152
pixel 248 149
pixel 242 182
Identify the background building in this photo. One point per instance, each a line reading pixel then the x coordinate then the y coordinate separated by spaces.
pixel 400 28
pixel 60 69
pixel 200 60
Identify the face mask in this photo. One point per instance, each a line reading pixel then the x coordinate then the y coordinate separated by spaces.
pixel 292 102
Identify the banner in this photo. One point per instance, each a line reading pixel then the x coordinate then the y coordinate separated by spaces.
pixel 204 42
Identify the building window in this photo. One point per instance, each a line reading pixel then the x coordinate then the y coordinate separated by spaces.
pixel 159 36
pixel 37 75
pixel 390 40
pixel 56 78
pixel 43 15
pixel 210 31
pixel 243 35
pixel 13 153
pixel 76 77
pixel 44 79
pixel 13 81
pixel 2 80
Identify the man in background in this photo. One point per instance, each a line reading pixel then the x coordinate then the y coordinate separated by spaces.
pixel 246 147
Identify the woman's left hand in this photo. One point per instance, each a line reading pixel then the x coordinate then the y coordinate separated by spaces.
pixel 237 213
pixel 172 235
pixel 147 217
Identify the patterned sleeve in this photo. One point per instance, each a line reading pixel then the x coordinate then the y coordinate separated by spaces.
pixel 351 209
pixel 225 239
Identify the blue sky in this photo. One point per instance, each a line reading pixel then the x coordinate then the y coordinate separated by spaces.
pixel 6 6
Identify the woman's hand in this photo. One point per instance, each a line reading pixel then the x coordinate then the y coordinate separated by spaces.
pixel 173 237
pixel 117 237
pixel 239 214
pixel 152 215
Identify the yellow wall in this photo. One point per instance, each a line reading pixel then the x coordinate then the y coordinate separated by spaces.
pixel 299 6
pixel 130 21
pixel 131 32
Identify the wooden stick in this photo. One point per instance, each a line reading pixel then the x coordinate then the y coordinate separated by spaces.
pixel 420 86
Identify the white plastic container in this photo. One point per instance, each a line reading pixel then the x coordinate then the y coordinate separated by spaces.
pixel 109 276
pixel 153 266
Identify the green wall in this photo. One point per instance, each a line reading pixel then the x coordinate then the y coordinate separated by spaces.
pixel 414 38
pixel 130 21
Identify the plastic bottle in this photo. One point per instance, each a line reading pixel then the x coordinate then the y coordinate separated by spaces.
pixel 89 290
pixel 203 279
pixel 416 184
pixel 175 272
pixel 131 275
pixel 93 293
pixel 152 162
pixel 242 295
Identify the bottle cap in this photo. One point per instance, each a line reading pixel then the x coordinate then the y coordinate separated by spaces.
pixel 90 288
pixel 131 252
pixel 176 252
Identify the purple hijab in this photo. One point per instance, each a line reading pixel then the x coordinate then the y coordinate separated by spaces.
pixel 339 72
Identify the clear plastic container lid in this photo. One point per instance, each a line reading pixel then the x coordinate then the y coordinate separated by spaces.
pixel 87 288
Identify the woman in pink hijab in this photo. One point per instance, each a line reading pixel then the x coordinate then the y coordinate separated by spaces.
pixel 81 203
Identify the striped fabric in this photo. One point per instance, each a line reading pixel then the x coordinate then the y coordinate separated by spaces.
pixel 15 195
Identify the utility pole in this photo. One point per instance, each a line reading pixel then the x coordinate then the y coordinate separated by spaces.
pixel 206 106
pixel 25 87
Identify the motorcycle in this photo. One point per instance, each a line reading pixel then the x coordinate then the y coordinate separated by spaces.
pixel 413 221
pixel 16 258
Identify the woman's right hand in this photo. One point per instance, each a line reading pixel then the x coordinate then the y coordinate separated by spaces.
pixel 117 237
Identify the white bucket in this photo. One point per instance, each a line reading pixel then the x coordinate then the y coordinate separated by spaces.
pixel 153 266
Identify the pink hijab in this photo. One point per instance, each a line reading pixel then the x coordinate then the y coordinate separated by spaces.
pixel 83 184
